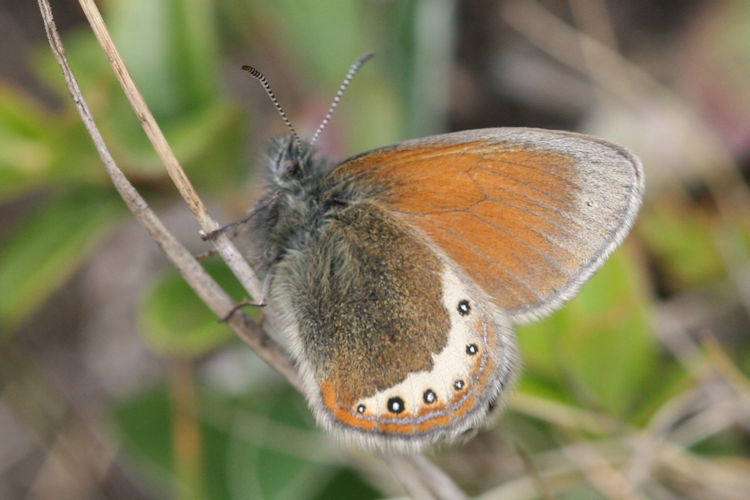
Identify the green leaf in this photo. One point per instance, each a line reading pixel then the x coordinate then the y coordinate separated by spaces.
pixel 682 242
pixel 179 71
pixel 25 151
pixel 277 456
pixel 209 144
pixel 87 60
pixel 75 162
pixel 253 445
pixel 311 25
pixel 143 424
pixel 346 484
pixel 179 78
pixel 175 322
pixel 47 248
pixel 600 345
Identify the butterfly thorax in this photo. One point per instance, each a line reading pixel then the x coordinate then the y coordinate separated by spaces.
pixel 302 197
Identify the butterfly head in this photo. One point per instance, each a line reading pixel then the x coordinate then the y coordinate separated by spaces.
pixel 293 164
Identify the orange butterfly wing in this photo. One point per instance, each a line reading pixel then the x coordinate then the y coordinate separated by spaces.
pixel 528 214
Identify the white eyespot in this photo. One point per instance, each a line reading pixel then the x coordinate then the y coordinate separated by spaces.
pixel 463 307
pixel 454 369
pixel 395 405
pixel 429 396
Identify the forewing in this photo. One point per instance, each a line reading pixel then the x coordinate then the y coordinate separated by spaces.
pixel 528 214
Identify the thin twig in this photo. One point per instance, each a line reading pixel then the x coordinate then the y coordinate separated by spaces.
pixel 439 481
pixel 601 473
pixel 187 437
pixel 405 472
pixel 724 365
pixel 223 245
pixel 200 281
pixel 563 415
pixel 592 18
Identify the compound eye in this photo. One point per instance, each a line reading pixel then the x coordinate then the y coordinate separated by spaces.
pixel 288 168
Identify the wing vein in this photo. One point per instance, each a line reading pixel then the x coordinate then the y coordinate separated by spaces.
pixel 490 259
pixel 525 243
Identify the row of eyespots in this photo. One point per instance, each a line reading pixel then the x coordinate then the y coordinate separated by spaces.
pixel 396 404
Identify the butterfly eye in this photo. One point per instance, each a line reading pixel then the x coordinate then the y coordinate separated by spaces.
pixel 463 307
pixel 288 168
pixel 396 405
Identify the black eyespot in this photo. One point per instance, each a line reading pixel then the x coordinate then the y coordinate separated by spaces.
pixel 458 384
pixel 429 396
pixel 463 307
pixel 589 204
pixel 361 409
pixel 396 405
pixel 471 349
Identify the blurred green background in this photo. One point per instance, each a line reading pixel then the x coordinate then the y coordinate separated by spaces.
pixel 115 382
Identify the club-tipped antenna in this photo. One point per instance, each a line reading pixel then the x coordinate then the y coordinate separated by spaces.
pixel 352 71
pixel 263 81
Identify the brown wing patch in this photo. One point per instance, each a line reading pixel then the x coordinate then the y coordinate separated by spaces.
pixel 528 214
pixel 370 311
pixel 444 417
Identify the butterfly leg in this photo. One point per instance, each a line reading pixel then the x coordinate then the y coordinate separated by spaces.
pixel 237 307
pixel 266 286
pixel 246 303
pixel 205 255
pixel 223 229
pixel 257 208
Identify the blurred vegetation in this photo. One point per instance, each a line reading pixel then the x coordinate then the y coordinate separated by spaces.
pixel 638 386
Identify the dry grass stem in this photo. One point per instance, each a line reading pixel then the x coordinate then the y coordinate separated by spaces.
pixel 206 288
pixel 223 245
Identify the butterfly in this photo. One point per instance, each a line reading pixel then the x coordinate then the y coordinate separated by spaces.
pixel 400 273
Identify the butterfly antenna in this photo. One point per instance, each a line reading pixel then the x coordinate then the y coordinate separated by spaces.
pixel 352 71
pixel 263 81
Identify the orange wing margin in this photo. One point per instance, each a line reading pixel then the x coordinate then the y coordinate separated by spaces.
pixel 528 214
